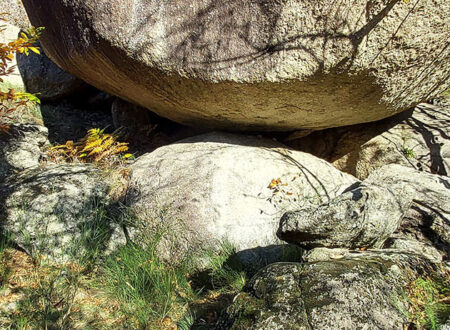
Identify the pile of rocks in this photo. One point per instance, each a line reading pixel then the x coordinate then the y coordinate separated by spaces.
pixel 369 204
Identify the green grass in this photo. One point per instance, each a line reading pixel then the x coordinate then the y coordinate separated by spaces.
pixel 151 290
pixel 4 271
pixel 226 272
pixel 429 303
pixel 148 289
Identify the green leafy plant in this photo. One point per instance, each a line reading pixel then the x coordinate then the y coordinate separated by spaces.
pixel 408 153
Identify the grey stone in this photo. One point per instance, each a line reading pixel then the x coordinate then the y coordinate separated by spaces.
pixel 362 217
pixel 395 207
pixel 13 80
pixel 56 211
pixel 256 65
pixel 43 77
pixel 20 148
pixel 364 292
pixel 428 220
pixel 16 13
pixel 418 138
pixel 217 187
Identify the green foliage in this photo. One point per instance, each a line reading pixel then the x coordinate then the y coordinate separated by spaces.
pixel 145 290
pixel 4 271
pixel 226 272
pixel 429 301
pixel 408 153
pixel 149 289
pixel 48 303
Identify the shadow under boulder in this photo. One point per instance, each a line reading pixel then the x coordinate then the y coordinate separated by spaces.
pixel 418 138
pixel 43 77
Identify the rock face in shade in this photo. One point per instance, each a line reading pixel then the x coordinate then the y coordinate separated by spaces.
pixel 57 211
pixel 43 77
pixel 418 138
pixel 254 64
pixel 222 187
pixel 20 148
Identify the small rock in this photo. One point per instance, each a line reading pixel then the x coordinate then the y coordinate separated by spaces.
pixel 20 148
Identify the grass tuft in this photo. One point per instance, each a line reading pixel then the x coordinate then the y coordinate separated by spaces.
pixel 149 290
pixel 429 301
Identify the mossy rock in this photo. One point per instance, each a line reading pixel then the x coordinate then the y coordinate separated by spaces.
pixel 352 293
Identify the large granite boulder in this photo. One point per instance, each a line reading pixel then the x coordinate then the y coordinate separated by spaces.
pixel 57 211
pixel 254 64
pixel 418 138
pixel 366 291
pixel 222 187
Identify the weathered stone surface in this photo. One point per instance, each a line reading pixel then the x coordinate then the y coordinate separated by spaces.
pixel 14 79
pixel 260 65
pixel 16 13
pixel 364 293
pixel 20 148
pixel 427 222
pixel 54 210
pixel 396 207
pixel 418 138
pixel 362 217
pixel 215 187
pixel 43 77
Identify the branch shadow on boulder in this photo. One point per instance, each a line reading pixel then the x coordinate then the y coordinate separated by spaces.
pixel 48 220
pixel 194 40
